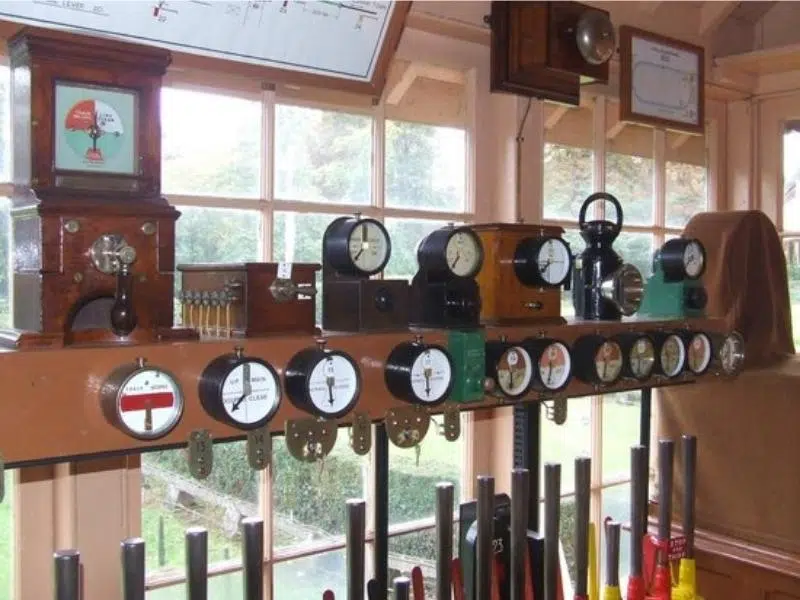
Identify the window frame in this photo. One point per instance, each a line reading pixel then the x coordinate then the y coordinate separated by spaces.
pixel 266 206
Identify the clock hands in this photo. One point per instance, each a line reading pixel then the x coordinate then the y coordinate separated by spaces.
pixel 247 386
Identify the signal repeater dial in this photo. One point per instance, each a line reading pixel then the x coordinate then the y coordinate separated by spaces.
pixel 671 354
pixel 325 383
pixel 598 361
pixel 552 361
pixel 510 367
pixel 142 401
pixel 639 354
pixel 731 353
pixel 682 258
pixel 543 261
pixel 451 251
pixel 419 373
pixel 357 246
pixel 241 391
pixel 698 352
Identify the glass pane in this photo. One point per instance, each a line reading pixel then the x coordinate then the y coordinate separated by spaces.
pixel 412 485
pixel 630 179
pixel 5 263
pixel 617 505
pixel 791 179
pixel 221 587
pixel 217 235
pixel 791 248
pixel 567 180
pixel 566 531
pixel 564 443
pixel 309 498
pixel 7 540
pixel 405 235
pixel 309 577
pixel 172 501
pixel 637 249
pixel 322 156
pixel 620 432
pixel 5 124
pixel 417 549
pixel 208 156
pixel 425 166
pixel 686 192
pixel 297 237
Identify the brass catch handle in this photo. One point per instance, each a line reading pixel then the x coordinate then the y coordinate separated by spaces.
pixel 536 305
pixel 285 290
pixel 123 316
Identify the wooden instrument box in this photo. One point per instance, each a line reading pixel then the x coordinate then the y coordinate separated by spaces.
pixel 248 299
pixel 504 298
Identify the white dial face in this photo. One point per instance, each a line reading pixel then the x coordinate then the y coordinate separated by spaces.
pixel 553 261
pixel 555 366
pixel 608 362
pixel 673 356
pixel 431 375
pixel 333 385
pixel 368 246
pixel 150 403
pixel 463 253
pixel 642 358
pixel 514 371
pixel 250 393
pixel 731 354
pixel 699 356
pixel 693 259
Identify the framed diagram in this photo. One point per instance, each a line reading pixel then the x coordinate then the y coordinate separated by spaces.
pixel 662 81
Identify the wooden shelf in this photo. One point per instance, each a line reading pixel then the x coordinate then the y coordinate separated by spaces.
pixel 52 410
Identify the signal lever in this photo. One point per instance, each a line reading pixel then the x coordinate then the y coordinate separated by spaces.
pixel 111 254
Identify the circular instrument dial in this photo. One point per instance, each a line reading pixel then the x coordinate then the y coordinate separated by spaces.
pixel 514 371
pixel 322 382
pixel 369 246
pixel 608 362
pixel 419 373
pixel 463 253
pixel 144 402
pixel 554 260
pixel 642 357
pixel 243 392
pixel 694 259
pixel 698 356
pixel 555 366
pixel 731 353
pixel 672 355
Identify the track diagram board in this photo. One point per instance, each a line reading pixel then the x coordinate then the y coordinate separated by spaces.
pixel 336 39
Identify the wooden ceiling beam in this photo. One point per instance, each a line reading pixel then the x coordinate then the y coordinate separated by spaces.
pixel 404 83
pixel 713 14
pixel 440 73
pixel 555 116
pixel 680 140
pixel 649 7
pixel 615 130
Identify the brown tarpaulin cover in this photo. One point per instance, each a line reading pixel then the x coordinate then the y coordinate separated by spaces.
pixel 747 429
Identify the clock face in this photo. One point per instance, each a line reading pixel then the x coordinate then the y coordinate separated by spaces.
pixel 693 259
pixel 553 261
pixel 431 375
pixel 608 362
pixel 333 385
pixel 250 393
pixel 95 129
pixel 463 253
pixel 368 247
pixel 514 371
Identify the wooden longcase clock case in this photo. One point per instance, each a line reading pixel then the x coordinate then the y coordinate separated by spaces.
pixel 94 241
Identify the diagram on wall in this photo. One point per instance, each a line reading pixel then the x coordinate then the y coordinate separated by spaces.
pixel 337 39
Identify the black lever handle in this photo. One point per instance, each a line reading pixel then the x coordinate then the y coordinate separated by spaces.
pixel 123 317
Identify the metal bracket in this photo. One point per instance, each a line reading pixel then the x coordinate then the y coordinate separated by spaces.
pixel 451 426
pixel 407 427
pixel 556 411
pixel 201 453
pixel 285 290
pixel 259 448
pixel 310 440
pixel 2 478
pixel 361 434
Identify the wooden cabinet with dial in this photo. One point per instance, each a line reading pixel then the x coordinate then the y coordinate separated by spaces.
pixel 523 270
